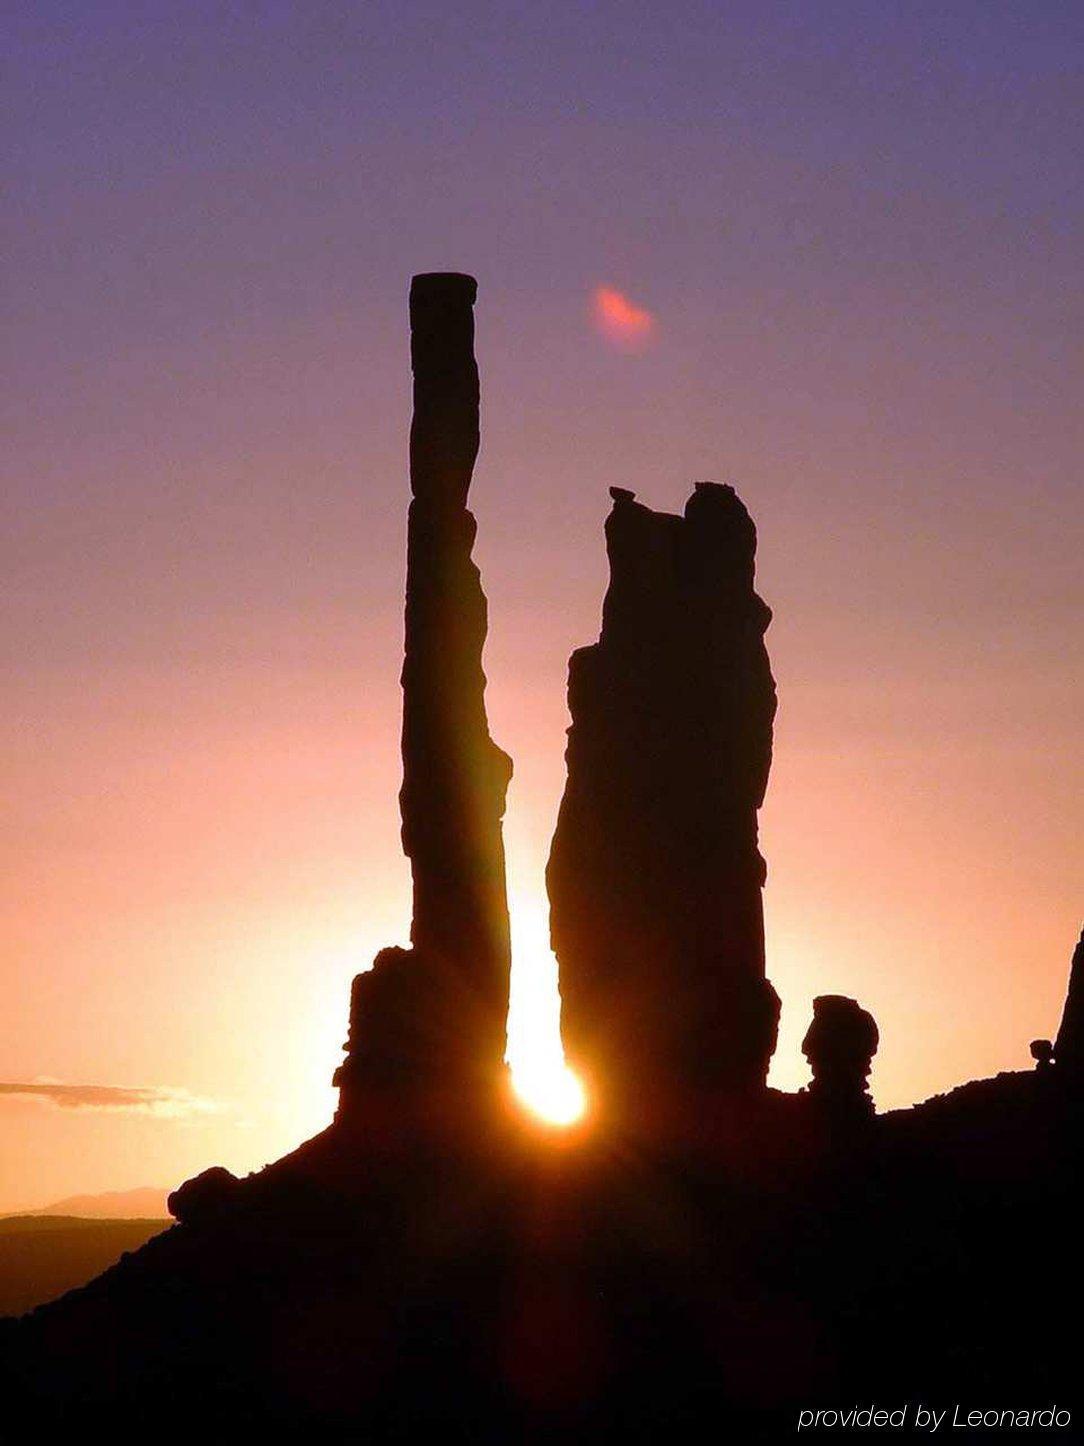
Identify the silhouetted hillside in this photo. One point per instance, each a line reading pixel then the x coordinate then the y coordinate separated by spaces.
pixel 44 1256
pixel 508 1285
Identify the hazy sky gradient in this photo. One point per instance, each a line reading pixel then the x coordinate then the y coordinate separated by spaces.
pixel 858 228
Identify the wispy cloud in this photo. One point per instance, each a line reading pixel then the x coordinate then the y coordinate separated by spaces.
pixel 158 1100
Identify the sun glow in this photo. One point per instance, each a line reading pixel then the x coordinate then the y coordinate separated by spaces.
pixel 540 1077
pixel 554 1094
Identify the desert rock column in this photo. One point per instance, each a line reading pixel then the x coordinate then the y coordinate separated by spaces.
pixel 454 775
pixel 655 876
pixel 437 1012
pixel 1069 1045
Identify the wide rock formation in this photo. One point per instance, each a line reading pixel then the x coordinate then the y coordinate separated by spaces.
pixel 434 1015
pixel 655 876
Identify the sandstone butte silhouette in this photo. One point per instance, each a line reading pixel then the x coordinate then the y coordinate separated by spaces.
pixel 655 877
pixel 704 1254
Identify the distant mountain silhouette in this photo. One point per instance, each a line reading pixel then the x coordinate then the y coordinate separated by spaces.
pixel 144 1203
pixel 704 1257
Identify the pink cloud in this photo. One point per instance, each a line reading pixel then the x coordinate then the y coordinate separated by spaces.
pixel 158 1100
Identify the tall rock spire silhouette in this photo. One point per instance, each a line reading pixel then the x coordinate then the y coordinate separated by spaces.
pixel 439 1009
pixel 454 776
pixel 654 875
pixel 1069 1045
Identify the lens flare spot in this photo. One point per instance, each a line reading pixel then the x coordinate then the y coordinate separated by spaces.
pixel 620 320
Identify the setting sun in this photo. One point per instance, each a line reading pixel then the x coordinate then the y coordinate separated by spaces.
pixel 554 1094
pixel 540 1077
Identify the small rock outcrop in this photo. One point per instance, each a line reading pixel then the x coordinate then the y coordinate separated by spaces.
pixel 1042 1052
pixel 436 1014
pixel 840 1045
pixel 204 1196
pixel 655 877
